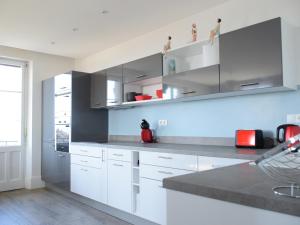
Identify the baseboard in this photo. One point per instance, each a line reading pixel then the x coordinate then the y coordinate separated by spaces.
pixel 34 182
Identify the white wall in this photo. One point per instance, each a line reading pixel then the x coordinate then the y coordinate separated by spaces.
pixel 41 66
pixel 235 14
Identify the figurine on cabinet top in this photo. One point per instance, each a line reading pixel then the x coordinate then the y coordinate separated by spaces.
pixel 168 45
pixel 194 32
pixel 215 32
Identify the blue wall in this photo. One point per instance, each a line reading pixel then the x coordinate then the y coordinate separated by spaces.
pixel 209 118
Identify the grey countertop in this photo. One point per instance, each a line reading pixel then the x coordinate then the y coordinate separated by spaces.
pixel 242 184
pixel 201 150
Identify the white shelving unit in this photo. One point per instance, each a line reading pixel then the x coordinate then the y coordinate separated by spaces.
pixel 135 181
pixel 191 56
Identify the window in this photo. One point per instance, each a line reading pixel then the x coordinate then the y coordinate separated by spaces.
pixel 11 96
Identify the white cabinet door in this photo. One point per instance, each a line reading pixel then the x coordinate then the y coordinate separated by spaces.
pixel 119 185
pixel 152 201
pixel 89 182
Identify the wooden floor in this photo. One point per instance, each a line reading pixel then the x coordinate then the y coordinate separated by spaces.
pixel 43 207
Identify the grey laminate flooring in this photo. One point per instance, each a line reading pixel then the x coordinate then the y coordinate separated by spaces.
pixel 43 207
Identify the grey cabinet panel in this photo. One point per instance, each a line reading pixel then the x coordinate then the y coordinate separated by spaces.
pixel 192 83
pixel 251 57
pixel 48 111
pixel 98 89
pixel 148 67
pixel 87 124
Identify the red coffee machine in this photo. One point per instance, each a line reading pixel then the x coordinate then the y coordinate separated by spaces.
pixel 287 131
pixel 146 134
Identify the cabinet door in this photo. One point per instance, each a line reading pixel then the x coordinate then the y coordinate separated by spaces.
pixel 114 83
pixel 119 185
pixel 192 83
pixel 62 164
pixel 98 90
pixel 251 57
pixel 144 68
pixel 49 168
pixel 89 182
pixel 152 201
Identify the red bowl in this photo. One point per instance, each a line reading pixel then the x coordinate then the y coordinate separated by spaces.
pixel 142 97
pixel 159 93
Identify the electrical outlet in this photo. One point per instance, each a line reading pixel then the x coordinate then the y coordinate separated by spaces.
pixel 162 123
pixel 293 118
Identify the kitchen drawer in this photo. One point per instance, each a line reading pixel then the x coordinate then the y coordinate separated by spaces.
pixel 159 173
pixel 89 182
pixel 86 150
pixel 178 161
pixel 87 161
pixel 208 163
pixel 119 154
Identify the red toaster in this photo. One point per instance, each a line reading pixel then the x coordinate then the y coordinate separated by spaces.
pixel 249 139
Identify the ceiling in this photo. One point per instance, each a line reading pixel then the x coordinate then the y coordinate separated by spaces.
pixel 77 28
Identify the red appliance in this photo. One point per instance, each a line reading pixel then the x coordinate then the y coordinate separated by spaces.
pixel 142 97
pixel 146 134
pixel 249 139
pixel 287 131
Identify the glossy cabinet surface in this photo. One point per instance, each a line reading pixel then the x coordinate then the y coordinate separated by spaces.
pixel 106 87
pixel 119 185
pixel 144 68
pixel 251 57
pixel 192 83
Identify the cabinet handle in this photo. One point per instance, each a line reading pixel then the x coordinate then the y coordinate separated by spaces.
pixel 119 155
pixel 85 170
pixel 164 172
pixel 141 76
pixel 83 150
pixel 119 165
pixel 112 101
pixel 164 157
pixel 102 155
pixel 61 156
pixel 249 84
pixel 83 161
pixel 188 92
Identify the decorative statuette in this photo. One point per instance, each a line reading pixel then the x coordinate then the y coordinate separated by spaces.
pixel 168 45
pixel 215 32
pixel 194 32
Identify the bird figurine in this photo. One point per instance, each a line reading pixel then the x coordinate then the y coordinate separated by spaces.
pixel 194 32
pixel 167 46
pixel 215 32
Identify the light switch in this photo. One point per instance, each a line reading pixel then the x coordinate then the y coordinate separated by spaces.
pixel 293 118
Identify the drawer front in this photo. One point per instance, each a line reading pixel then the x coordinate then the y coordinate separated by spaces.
pixel 184 162
pixel 119 154
pixel 89 182
pixel 208 163
pixel 87 150
pixel 87 161
pixel 160 173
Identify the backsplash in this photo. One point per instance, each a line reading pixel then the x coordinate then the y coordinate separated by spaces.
pixel 209 118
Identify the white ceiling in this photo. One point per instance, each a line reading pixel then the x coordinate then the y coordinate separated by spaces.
pixel 34 24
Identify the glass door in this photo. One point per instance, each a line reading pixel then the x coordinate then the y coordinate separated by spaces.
pixel 12 116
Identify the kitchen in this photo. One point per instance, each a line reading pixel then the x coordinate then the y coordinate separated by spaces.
pixel 88 123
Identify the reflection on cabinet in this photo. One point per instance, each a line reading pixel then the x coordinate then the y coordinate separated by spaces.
pixel 106 87
pixel 143 76
pixel 119 185
pixel 192 83
pixel 252 57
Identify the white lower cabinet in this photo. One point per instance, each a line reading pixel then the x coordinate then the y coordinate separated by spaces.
pixel 89 182
pixel 152 201
pixel 120 185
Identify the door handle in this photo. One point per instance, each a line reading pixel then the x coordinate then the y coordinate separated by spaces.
pixel 119 165
pixel 141 76
pixel 164 157
pixel 188 92
pixel 249 84
pixel 83 150
pixel 61 156
pixel 83 161
pixel 85 170
pixel 164 172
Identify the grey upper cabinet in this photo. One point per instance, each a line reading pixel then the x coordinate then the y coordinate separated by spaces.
pixel 106 87
pixel 144 68
pixel 192 83
pixel 251 57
